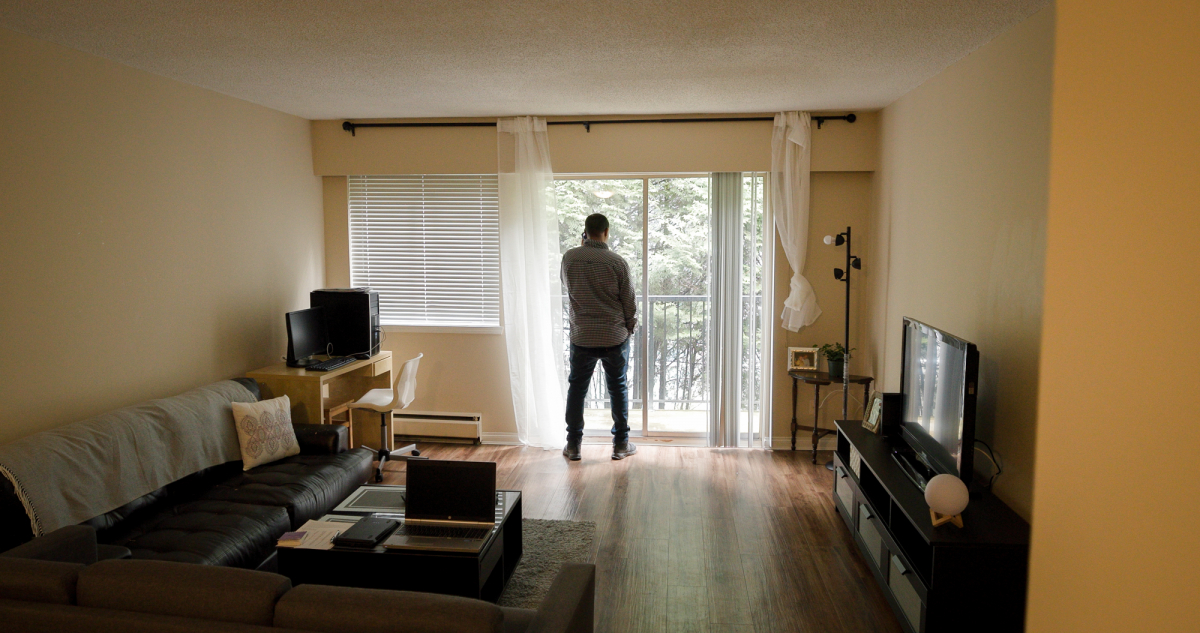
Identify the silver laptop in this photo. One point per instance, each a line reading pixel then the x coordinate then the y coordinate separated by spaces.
pixel 449 506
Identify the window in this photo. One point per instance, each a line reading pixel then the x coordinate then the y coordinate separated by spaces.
pixel 430 246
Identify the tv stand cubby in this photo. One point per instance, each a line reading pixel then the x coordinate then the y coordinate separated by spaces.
pixel 936 579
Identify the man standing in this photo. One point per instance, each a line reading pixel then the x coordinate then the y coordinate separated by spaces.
pixel 603 315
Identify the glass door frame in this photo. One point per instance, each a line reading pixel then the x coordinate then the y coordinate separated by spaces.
pixel 644 287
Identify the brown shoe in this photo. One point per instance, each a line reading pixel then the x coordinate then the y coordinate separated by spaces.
pixel 571 452
pixel 624 449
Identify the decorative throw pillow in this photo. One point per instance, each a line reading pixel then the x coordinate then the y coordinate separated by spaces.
pixel 265 431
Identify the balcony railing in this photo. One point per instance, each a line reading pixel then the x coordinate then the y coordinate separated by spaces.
pixel 678 334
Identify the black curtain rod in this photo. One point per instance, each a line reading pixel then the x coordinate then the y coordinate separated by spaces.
pixel 350 126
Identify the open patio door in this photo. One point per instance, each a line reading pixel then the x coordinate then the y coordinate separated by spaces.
pixel 663 225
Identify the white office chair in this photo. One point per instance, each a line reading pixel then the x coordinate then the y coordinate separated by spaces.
pixel 385 400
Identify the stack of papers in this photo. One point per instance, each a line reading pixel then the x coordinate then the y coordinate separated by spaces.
pixel 313 535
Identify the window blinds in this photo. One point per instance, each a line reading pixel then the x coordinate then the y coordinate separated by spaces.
pixel 430 246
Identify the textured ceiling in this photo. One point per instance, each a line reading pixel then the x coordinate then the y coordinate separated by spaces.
pixel 360 59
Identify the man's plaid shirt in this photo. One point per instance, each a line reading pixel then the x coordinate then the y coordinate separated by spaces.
pixel 602 308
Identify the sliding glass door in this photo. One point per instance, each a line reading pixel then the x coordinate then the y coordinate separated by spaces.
pixel 677 319
pixel 623 202
pixel 753 395
pixel 663 227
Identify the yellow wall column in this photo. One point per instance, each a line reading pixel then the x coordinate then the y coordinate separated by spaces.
pixel 1116 500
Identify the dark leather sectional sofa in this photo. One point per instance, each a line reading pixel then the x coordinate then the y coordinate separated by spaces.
pixel 221 515
pixel 224 518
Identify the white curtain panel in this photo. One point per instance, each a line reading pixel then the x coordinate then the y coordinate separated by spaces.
pixel 791 151
pixel 532 294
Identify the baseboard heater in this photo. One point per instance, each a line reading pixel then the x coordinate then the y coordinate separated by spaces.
pixel 437 426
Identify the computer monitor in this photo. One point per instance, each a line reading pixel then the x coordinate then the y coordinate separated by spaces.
pixel 307 335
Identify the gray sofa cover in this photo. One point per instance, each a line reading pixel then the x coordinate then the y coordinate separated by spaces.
pixel 156 481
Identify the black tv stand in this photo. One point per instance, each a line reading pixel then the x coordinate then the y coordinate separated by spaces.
pixel 936 579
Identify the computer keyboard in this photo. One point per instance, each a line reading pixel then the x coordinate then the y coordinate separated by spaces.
pixel 331 364
pixel 447 532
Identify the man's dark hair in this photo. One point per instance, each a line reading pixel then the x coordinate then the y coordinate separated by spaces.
pixel 595 225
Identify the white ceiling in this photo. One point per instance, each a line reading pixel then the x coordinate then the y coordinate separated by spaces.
pixel 362 59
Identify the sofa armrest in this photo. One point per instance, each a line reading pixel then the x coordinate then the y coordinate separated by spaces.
pixel 569 605
pixel 71 544
pixel 322 439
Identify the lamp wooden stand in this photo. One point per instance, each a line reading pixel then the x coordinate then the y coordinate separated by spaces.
pixel 942 519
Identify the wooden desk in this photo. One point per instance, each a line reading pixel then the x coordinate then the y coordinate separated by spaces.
pixel 816 379
pixel 311 392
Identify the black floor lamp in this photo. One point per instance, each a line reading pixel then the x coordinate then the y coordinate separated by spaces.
pixel 843 275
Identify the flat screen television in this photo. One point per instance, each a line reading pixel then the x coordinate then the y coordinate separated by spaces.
pixel 938 381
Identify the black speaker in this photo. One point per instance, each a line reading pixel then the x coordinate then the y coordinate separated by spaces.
pixel 893 413
pixel 352 318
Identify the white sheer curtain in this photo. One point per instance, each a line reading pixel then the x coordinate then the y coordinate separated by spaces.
pixel 532 295
pixel 791 149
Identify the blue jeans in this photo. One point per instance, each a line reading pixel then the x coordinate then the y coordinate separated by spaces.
pixel 615 361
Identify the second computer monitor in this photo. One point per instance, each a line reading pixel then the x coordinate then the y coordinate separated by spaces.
pixel 307 335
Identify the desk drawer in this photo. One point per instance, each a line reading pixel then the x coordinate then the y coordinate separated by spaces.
pixel 381 367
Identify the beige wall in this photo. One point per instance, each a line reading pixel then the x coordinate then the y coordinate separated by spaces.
pixel 1116 499
pixel 839 199
pixel 962 196
pixel 153 234
pixel 472 369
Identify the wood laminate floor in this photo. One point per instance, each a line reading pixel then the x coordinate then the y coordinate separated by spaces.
pixel 700 540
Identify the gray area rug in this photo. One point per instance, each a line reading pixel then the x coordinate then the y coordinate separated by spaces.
pixel 547 545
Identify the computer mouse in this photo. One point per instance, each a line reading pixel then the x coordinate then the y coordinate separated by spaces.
pixel 362 356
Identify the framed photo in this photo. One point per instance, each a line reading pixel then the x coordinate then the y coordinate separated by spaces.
pixel 874 413
pixel 802 359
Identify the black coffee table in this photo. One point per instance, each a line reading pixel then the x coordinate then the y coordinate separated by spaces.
pixel 482 575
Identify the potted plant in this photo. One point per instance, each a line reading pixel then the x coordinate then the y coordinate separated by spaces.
pixel 835 355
